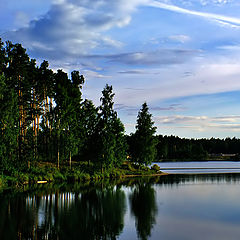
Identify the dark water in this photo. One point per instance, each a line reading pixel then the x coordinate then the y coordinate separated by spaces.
pixel 168 207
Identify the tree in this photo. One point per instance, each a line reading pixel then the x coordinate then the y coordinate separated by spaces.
pixel 144 148
pixel 110 142
pixel 75 123
pixel 89 123
pixel 18 74
pixel 8 122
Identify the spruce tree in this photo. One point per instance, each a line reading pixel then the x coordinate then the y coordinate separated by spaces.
pixel 144 149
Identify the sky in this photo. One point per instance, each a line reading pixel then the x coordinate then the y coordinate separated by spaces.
pixel 180 56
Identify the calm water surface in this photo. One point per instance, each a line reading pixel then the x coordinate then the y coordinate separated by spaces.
pixel 168 207
pixel 200 167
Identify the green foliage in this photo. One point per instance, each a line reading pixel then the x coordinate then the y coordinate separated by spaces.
pixel 155 167
pixel 43 118
pixel 88 133
pixel 2 181
pixel 8 122
pixel 171 147
pixel 109 141
pixel 144 143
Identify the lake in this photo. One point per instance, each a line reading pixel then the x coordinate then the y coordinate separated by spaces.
pixel 176 206
pixel 200 167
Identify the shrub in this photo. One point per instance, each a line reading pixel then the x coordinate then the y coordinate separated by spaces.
pixel 86 177
pixel 155 167
pixel 58 176
pixel 23 177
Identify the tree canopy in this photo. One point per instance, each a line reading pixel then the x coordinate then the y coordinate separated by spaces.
pixel 144 143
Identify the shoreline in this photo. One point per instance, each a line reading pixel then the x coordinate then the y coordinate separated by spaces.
pixel 44 174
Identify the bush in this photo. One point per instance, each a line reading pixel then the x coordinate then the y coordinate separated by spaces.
pixel 144 168
pixel 11 181
pixel 48 177
pixel 86 177
pixel 58 176
pixel 23 178
pixel 155 167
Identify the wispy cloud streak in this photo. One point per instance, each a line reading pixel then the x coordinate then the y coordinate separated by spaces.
pixel 225 20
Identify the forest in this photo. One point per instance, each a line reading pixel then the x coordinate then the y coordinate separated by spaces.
pixel 44 118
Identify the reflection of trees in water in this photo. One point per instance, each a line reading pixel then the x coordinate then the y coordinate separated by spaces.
pixel 144 208
pixel 16 219
pixel 91 212
pixel 96 214
pixel 174 179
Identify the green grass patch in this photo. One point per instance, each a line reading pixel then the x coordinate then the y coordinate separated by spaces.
pixel 80 172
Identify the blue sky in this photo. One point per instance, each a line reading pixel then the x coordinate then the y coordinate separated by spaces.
pixel 180 56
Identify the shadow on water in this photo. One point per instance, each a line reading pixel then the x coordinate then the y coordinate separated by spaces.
pixel 88 211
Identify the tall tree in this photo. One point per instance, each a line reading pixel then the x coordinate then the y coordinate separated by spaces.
pixel 67 112
pixel 110 141
pixel 144 149
pixel 18 77
pixel 8 125
pixel 89 121
pixel 75 123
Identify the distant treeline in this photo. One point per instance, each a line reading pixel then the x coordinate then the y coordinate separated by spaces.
pixel 172 147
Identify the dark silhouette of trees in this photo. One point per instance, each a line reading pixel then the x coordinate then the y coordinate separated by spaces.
pixel 44 118
pixel 144 142
pixel 94 213
pixel 144 209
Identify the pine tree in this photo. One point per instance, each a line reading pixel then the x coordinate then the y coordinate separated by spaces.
pixel 144 149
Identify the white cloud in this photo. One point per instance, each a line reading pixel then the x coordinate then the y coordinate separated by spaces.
pixel 180 38
pixel 221 2
pixel 157 57
pixel 200 123
pixel 21 19
pixel 93 74
pixel 208 77
pixel 230 21
pixel 74 27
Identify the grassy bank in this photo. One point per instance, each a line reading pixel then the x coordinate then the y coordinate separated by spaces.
pixel 79 172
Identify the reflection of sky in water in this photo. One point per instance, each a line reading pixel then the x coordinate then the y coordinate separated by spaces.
pixel 190 171
pixel 200 167
pixel 198 211
pixel 195 209
pixel 175 206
